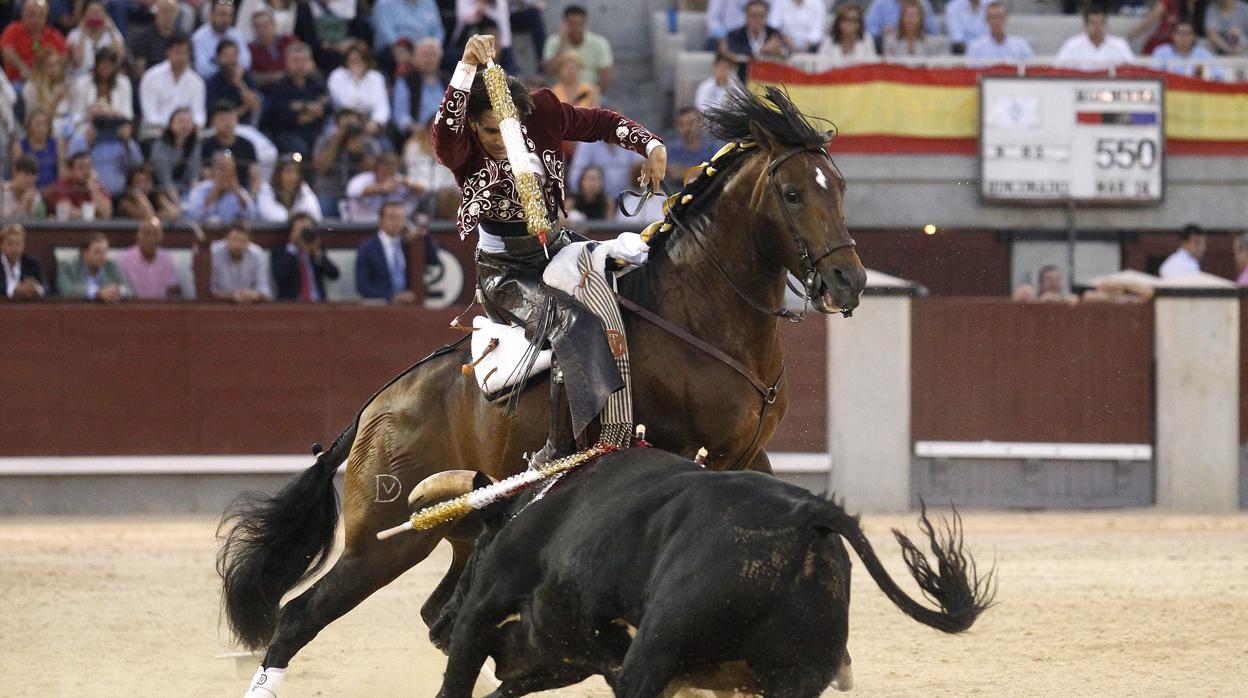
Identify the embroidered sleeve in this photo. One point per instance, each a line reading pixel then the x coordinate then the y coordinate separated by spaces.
pixel 451 137
pixel 588 125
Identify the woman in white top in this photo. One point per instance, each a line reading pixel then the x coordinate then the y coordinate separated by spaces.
pixel 287 194
pixel 105 87
pixel 356 86
pixel 96 31
pixel 910 39
pixel 847 41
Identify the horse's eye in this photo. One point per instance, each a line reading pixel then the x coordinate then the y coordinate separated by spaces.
pixel 793 196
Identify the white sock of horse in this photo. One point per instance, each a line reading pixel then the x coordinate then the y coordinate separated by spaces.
pixel 265 683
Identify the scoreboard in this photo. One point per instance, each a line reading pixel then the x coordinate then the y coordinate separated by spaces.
pixel 1071 139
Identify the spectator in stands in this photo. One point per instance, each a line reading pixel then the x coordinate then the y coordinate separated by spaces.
pixel 883 16
pixel 143 200
pixel 712 91
pixel 594 50
pixel 104 92
pixel 722 16
pixel 965 21
pixel 225 139
pixel 1093 49
pixel 48 90
pixel 172 84
pixel 430 175
pixel 997 45
pixel 341 154
pixel 1240 250
pixel 1184 49
pixel 95 32
pixel 8 114
pixel 1050 288
pixel 220 197
pixel 482 17
pixel 239 273
pixel 569 87
pixel 801 23
pixel 149 45
pixel 690 148
pixel 848 41
pixel 287 195
pixel 233 85
pixel 614 163
pixel 1163 17
pixel 19 40
pixel 755 40
pixel 268 49
pixel 910 39
pixel 300 266
pixel 292 19
pixel 177 155
pixel 93 275
pixel 356 86
pixel 113 152
pixel 418 92
pixel 79 195
pixel 41 145
pixel 20 198
pixel 23 276
pixel 414 19
pixel 149 268
pixel 590 201
pixel 1226 27
pixel 1186 259
pixel 220 26
pixel 369 191
pixel 381 261
pixel 529 16
pixel 297 104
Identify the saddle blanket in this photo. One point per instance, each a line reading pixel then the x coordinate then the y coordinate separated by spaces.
pixel 497 371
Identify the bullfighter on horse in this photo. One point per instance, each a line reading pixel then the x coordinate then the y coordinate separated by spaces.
pixel 468 140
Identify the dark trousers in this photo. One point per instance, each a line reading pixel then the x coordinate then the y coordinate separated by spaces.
pixel 530 20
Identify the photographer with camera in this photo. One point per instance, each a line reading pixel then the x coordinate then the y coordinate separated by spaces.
pixel 341 154
pixel 300 266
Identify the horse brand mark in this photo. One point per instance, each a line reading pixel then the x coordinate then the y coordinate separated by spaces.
pixel 388 488
pixel 263 678
pixel 617 342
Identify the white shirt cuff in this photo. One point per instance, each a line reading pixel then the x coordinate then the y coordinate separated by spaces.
pixel 654 143
pixel 462 79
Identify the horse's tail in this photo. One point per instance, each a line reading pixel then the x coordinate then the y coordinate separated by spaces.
pixel 955 585
pixel 275 542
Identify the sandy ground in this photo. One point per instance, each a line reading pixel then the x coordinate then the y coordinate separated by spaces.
pixel 1121 604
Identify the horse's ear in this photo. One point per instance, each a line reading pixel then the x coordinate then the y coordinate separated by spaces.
pixel 764 138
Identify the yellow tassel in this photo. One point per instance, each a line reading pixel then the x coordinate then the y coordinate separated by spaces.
pixel 665 227
pixel 694 173
pixel 687 198
pixel 710 171
pixel 728 148
pixel 650 231
pixel 669 203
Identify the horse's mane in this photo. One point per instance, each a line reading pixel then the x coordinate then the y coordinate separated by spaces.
pixel 773 111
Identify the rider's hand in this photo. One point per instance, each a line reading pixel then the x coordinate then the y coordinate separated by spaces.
pixel 655 169
pixel 480 50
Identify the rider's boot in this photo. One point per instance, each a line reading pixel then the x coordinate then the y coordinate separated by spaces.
pixel 559 442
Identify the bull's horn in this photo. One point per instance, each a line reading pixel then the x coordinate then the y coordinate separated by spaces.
pixel 441 487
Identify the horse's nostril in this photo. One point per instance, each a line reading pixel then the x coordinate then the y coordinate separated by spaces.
pixel 840 275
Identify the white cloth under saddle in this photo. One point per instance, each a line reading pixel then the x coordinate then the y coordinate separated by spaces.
pixel 500 369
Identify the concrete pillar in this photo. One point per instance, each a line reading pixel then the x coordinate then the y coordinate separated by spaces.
pixel 868 383
pixel 1197 358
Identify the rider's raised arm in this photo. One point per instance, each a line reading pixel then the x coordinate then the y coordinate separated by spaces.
pixel 452 140
pixel 592 124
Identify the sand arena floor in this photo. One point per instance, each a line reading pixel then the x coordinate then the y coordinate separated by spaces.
pixel 1103 604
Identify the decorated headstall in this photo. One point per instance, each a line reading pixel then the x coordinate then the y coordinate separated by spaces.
pixel 699 182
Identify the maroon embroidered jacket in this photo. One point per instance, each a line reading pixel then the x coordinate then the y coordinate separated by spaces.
pixel 487 184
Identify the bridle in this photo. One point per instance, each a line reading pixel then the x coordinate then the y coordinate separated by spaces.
pixel 809 262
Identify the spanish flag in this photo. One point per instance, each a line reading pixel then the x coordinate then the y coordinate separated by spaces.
pixel 886 108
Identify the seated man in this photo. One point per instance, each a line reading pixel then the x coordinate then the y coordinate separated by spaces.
pixel 1186 259
pixel 691 148
pixel 80 193
pixel 233 85
pixel 19 197
pixel 220 197
pixel 239 273
pixel 1094 49
pixel 226 139
pixel 300 267
pixel 339 155
pixel 381 261
pixel 93 275
pixel 296 104
pixel 369 191
pixel 996 44
pixel 23 277
pixel 113 152
pixel 148 268
pixel 168 86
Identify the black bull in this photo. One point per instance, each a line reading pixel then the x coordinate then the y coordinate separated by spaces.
pixel 654 573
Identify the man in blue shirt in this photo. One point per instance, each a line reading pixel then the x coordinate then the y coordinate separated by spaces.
pixel 965 22
pixel 1183 50
pixel 220 198
pixel 418 93
pixel 690 148
pixel 414 19
pixel 884 15
pixel 205 39
pixel 997 45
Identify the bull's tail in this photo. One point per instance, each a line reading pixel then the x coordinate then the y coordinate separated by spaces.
pixel 272 543
pixel 954 585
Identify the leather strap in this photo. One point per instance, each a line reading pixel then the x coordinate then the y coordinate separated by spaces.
pixel 769 392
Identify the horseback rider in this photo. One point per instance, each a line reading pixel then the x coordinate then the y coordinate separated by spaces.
pixel 467 140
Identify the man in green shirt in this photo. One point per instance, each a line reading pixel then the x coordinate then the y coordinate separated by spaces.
pixel 594 50
pixel 93 275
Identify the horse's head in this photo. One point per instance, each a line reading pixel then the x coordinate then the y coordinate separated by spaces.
pixel 799 198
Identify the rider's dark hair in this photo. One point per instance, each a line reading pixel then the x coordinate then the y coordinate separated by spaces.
pixel 479 100
pixel 772 111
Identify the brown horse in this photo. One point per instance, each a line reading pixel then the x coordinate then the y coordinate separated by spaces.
pixel 770 204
